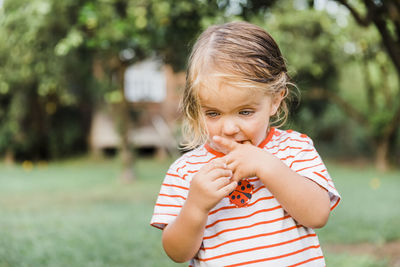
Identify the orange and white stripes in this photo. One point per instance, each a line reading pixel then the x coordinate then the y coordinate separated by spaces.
pixel 262 233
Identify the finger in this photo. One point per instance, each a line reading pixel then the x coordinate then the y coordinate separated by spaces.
pixel 221 182
pixel 232 165
pixel 226 190
pixel 225 143
pixel 227 158
pixel 218 173
pixel 217 163
pixel 237 176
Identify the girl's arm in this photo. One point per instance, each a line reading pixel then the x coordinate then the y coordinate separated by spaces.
pixel 306 201
pixel 182 238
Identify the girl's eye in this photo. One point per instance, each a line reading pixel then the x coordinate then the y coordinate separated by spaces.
pixel 246 112
pixel 211 114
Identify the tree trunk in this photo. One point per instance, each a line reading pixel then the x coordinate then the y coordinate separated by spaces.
pixel 9 157
pixel 127 156
pixel 382 155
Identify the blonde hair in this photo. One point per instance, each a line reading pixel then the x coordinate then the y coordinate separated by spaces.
pixel 239 54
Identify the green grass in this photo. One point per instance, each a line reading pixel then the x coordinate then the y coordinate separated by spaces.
pixel 77 213
pixel 369 210
pixel 349 260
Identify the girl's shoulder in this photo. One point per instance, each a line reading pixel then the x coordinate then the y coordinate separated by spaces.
pixel 192 159
pixel 288 138
pixel 278 133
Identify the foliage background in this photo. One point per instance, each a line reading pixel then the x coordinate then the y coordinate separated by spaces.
pixel 50 51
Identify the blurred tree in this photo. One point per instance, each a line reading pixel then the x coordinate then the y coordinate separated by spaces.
pixel 385 15
pixel 68 56
pixel 62 58
pixel 45 103
pixel 325 44
pixel 369 95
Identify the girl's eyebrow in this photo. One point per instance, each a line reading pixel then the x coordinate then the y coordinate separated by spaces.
pixel 207 107
pixel 247 105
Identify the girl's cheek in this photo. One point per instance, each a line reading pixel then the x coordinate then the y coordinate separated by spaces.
pixel 212 128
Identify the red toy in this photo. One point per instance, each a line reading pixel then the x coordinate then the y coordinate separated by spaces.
pixel 242 194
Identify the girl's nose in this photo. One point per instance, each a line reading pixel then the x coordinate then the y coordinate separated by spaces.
pixel 229 127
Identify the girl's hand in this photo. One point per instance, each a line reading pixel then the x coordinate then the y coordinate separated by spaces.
pixel 211 184
pixel 245 160
pixel 287 186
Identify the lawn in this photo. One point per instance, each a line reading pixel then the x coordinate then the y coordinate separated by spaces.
pixel 77 213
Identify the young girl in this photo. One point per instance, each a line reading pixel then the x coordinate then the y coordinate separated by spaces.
pixel 248 194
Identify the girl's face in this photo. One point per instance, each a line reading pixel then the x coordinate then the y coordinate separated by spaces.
pixel 239 114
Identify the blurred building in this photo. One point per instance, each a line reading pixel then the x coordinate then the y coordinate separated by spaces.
pixel 153 92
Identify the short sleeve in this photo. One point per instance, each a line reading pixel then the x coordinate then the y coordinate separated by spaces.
pixel 308 163
pixel 172 196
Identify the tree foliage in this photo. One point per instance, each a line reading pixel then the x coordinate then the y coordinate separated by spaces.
pixel 49 50
pixel 62 58
pixel 337 61
pixel 38 90
pixel 385 16
pixel 384 123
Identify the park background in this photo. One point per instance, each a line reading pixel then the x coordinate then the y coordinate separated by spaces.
pixel 65 201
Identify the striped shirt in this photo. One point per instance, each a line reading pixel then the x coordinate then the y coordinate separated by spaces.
pixel 262 233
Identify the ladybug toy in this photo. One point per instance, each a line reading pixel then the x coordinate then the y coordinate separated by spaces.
pixel 242 194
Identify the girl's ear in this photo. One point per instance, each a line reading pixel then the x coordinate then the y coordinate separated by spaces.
pixel 276 102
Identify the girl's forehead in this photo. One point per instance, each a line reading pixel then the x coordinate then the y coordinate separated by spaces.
pixel 212 86
pixel 225 93
pixel 215 86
